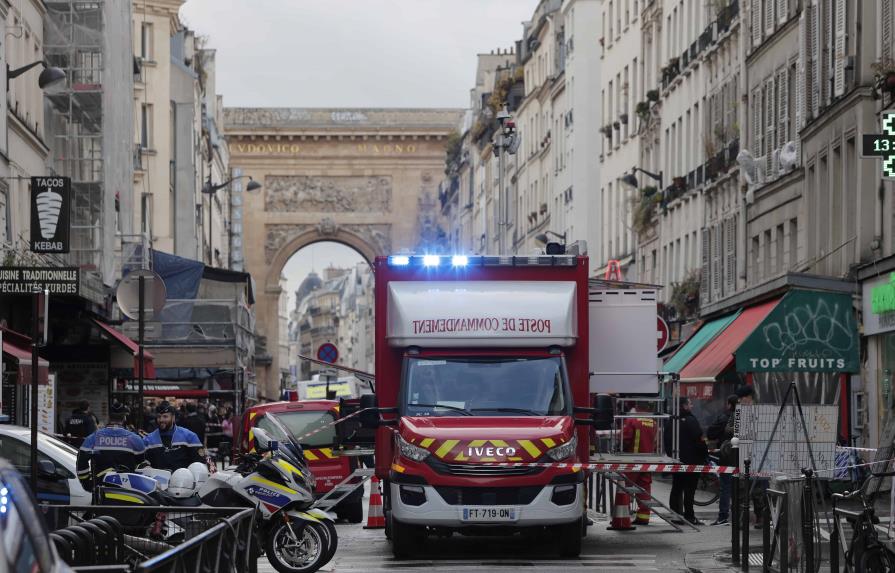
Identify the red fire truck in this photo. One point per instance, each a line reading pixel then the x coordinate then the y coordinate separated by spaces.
pixel 481 360
pixel 328 462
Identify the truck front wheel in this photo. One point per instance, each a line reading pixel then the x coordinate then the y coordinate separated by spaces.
pixel 407 539
pixel 569 541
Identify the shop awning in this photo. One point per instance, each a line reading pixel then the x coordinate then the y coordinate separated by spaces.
pixel 697 342
pixel 717 356
pixel 130 346
pixel 808 331
pixel 22 356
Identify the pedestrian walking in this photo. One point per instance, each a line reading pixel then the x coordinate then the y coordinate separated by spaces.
pixel 718 431
pixel 109 449
pixel 639 437
pixel 692 450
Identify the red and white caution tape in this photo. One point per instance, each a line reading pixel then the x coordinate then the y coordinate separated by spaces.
pixel 642 468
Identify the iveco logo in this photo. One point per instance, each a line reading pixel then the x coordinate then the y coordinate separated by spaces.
pixel 491 452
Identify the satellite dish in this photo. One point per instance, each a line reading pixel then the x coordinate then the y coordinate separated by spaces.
pixel 788 155
pixel 154 294
pixel 747 164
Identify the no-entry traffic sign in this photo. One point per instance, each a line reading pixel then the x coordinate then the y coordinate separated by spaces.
pixel 661 334
pixel 328 353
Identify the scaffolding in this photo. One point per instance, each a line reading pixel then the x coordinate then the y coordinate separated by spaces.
pixel 74 43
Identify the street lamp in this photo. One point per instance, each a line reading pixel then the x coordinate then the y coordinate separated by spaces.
pixel 630 179
pixel 210 189
pixel 49 78
pixel 507 139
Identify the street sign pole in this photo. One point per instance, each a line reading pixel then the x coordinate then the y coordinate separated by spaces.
pixel 141 300
pixel 35 361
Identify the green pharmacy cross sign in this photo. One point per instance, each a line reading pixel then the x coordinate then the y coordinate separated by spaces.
pixel 882 145
pixel 883 297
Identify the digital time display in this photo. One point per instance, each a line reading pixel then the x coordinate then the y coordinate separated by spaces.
pixel 878 145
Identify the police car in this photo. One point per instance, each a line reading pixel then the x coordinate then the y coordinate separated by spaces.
pixel 58 487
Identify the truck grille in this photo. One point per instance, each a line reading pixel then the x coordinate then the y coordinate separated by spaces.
pixel 481 470
pixel 488 496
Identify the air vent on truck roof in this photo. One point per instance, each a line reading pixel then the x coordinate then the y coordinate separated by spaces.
pixel 461 261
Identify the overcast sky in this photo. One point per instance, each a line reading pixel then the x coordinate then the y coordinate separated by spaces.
pixel 352 53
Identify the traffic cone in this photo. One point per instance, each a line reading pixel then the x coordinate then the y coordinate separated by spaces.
pixel 621 512
pixel 375 517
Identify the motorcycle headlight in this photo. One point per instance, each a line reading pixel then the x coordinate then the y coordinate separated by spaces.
pixel 563 451
pixel 412 452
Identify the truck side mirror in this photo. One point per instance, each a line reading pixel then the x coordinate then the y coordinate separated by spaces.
pixel 369 417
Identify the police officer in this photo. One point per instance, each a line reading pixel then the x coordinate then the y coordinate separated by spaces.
pixel 81 423
pixel 170 446
pixel 109 449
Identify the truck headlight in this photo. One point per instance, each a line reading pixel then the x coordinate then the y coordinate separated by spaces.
pixel 412 452
pixel 563 451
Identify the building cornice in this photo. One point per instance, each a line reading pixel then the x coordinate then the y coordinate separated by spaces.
pixel 26 133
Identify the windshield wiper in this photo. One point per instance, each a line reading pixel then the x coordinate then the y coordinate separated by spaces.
pixel 463 411
pixel 514 410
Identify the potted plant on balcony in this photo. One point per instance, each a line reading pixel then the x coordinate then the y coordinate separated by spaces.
pixel 652 95
pixel 642 110
pixel 623 118
pixel 606 130
pixel 885 72
pixel 685 295
pixel 616 125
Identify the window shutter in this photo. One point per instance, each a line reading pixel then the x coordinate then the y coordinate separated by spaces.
pixel 817 60
pixel 782 11
pixel 825 49
pixel 783 107
pixel 756 122
pixel 840 48
pixel 770 120
pixel 769 17
pixel 730 245
pixel 717 260
pixel 705 295
pixel 756 23
pixel 885 13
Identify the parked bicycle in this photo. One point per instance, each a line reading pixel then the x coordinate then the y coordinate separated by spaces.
pixel 866 553
pixel 708 490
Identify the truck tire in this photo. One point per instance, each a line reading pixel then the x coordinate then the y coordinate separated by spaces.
pixel 351 510
pixel 569 542
pixel 407 539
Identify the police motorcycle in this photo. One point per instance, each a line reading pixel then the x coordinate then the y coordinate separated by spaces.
pixel 295 537
pixel 152 487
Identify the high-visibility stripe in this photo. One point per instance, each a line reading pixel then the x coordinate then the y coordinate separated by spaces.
pixel 637 440
pixel 499 443
pixel 529 447
pixel 461 457
pixel 252 415
pixel 399 469
pixel 427 442
pixel 327 452
pixel 311 455
pixel 125 497
pixel 548 442
pixel 446 447
pixel 477 443
pixel 272 484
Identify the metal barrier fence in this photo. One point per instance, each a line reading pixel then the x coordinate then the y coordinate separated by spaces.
pixel 775 532
pixel 204 539
pixel 600 493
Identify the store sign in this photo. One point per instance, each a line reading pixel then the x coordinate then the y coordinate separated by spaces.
pixel 808 331
pixel 879 305
pixel 28 280
pixel 50 214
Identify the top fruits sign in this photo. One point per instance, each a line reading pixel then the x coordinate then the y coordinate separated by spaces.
pixel 50 214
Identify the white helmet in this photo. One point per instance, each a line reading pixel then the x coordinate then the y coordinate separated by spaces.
pixel 182 483
pixel 200 473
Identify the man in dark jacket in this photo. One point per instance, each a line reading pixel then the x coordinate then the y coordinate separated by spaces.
pixel 692 450
pixel 81 423
pixel 194 422
pixel 170 446
pixel 721 433
pixel 113 448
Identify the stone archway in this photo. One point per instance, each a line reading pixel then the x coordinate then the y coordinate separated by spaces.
pixel 364 178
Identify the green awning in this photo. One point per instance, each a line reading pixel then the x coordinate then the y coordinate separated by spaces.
pixel 697 342
pixel 807 331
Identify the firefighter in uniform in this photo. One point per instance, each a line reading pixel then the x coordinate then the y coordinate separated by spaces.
pixel 112 448
pixel 639 437
pixel 171 447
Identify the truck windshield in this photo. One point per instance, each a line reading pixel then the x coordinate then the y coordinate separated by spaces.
pixel 485 386
pixel 300 423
